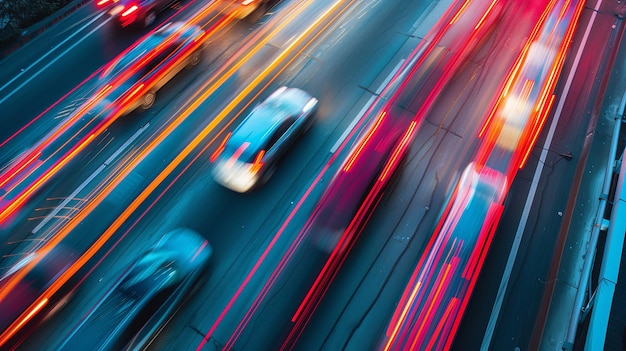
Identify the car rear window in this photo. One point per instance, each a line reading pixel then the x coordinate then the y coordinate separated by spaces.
pixel 149 44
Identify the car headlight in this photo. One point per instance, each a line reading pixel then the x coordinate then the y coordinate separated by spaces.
pixel 238 177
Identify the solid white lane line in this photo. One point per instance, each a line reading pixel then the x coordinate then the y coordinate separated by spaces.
pixel 56 58
pixel 495 312
pixel 72 196
pixel 365 107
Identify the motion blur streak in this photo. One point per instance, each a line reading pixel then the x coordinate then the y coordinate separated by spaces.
pixel 459 12
pixel 10 202
pixel 15 204
pixel 482 19
pixel 366 140
pixel 537 130
pixel 443 274
pixel 349 197
pixel 20 167
pixel 337 257
pixel 397 154
pixel 330 13
pixel 476 205
pixel 15 328
pixel 63 232
pixel 115 181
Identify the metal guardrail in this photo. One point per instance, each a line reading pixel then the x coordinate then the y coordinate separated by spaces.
pixel 609 270
pixel 612 254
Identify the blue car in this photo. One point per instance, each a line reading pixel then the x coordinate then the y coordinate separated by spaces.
pixel 250 153
pixel 135 309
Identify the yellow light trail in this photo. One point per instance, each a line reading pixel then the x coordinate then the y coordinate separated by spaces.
pixel 482 19
pixel 81 261
pixel 459 12
pixel 24 196
pixel 402 317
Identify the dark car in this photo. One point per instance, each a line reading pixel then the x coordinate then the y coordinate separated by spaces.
pixel 135 309
pixel 250 153
pixel 132 79
pixel 23 284
pixel 135 12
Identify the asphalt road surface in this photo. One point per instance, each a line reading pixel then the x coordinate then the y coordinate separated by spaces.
pixel 142 177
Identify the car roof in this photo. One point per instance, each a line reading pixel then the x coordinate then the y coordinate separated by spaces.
pixel 152 42
pixel 257 128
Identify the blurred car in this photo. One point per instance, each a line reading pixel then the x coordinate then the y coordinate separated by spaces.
pixel 245 8
pixel 142 13
pixel 18 304
pixel 135 309
pixel 132 79
pixel 250 153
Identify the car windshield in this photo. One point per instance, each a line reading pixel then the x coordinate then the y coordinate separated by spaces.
pixel 256 130
pixel 154 270
pixel 151 43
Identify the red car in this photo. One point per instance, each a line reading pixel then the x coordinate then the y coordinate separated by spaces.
pixel 135 76
pixel 142 13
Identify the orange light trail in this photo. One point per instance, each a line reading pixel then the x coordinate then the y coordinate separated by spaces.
pixel 399 151
pixel 364 141
pixel 15 328
pixel 63 232
pixel 452 306
pixel 220 148
pixel 459 12
pixel 524 80
pixel 400 320
pixel 442 280
pixel 19 201
pixel 23 197
pixel 20 168
pixel 542 121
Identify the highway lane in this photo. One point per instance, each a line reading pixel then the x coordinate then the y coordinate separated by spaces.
pixel 325 134
pixel 21 88
pixel 255 331
pixel 119 131
pixel 115 137
pixel 56 193
pixel 214 197
pixel 520 318
pixel 357 308
pixel 55 62
pixel 342 319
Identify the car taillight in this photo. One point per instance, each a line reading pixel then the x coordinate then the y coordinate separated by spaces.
pixel 130 10
pixel 235 157
pixel 256 166
pixel 220 148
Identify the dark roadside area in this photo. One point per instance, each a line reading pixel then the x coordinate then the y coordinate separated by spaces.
pixel 22 20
